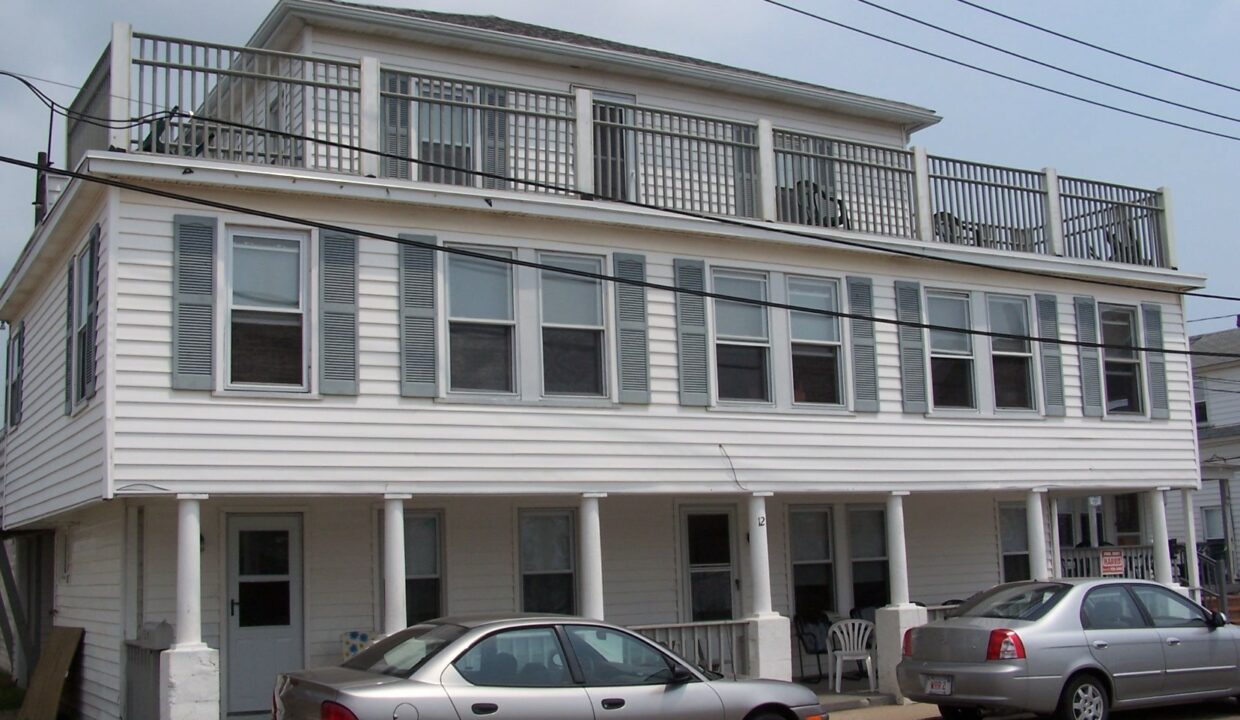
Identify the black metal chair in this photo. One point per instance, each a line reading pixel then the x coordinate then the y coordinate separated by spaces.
pixel 812 638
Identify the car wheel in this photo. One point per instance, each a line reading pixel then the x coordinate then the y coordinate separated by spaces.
pixel 766 715
pixel 956 712
pixel 1085 698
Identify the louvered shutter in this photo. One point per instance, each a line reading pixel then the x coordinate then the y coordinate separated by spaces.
pixel 1051 355
pixel 193 302
pixel 495 139
pixel 1091 366
pixel 395 131
pixel 691 333
pixel 418 367
pixel 90 352
pixel 912 347
pixel 17 375
pixel 861 333
pixel 337 314
pixel 1155 362
pixel 69 340
pixel 632 335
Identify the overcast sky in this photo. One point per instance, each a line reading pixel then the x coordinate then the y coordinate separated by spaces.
pixel 984 119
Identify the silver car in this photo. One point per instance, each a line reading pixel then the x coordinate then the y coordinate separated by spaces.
pixel 1071 648
pixel 536 667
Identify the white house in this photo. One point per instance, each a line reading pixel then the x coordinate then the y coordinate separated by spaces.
pixel 267 433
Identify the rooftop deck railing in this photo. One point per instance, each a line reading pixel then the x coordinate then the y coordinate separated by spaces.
pixel 234 103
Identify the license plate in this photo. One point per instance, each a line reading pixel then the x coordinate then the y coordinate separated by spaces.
pixel 938 685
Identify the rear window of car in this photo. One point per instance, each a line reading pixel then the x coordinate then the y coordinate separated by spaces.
pixel 400 654
pixel 1025 601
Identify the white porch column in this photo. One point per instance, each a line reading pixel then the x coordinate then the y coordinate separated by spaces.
pixel 1056 541
pixel 921 184
pixel 1162 549
pixel 759 556
pixel 394 608
pixel 1192 569
pixel 1035 526
pixel 584 105
pixel 189 671
pixel 770 634
pixel 118 79
pixel 766 171
pixel 368 130
pixel 591 557
pixel 895 619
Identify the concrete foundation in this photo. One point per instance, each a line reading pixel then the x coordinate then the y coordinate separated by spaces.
pixel 770 647
pixel 892 621
pixel 189 683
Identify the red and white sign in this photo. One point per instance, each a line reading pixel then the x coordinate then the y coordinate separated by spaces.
pixel 1112 562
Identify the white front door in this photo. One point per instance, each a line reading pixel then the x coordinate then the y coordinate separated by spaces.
pixel 710 562
pixel 264 606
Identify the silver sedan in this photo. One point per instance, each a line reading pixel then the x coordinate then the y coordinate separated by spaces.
pixel 1071 648
pixel 546 667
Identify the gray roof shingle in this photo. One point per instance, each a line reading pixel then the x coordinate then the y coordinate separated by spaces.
pixel 1224 341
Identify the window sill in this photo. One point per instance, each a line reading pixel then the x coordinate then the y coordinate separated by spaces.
pixel 79 407
pixel 1019 415
pixel 1126 417
pixel 955 413
pixel 514 401
pixel 765 409
pixel 267 394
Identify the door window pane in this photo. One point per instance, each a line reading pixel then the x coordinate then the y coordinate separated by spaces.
pixel 263 604
pixel 610 658
pixel 1014 543
pixel 529 657
pixel 709 539
pixel 263 552
pixel 1110 608
pixel 1168 609
pixel 711 594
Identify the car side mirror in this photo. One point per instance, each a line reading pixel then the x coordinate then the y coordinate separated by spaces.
pixel 1218 620
pixel 679 676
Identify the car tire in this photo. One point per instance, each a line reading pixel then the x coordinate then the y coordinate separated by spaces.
pixel 1084 698
pixel 956 712
pixel 766 715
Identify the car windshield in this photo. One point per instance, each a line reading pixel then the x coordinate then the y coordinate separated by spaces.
pixel 1026 601
pixel 402 653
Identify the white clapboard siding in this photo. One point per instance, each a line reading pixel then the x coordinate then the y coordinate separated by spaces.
pixel 199 441
pixel 54 461
pixel 1221 392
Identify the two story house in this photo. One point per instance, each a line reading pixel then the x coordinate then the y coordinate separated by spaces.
pixel 388 314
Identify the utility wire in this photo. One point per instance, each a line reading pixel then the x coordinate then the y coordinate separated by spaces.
pixel 1214 317
pixel 480 255
pixel 994 73
pixel 856 244
pixel 1050 66
pixel 1100 48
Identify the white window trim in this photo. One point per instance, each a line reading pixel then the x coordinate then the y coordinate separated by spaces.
pixel 768 343
pixel 604 307
pixel 1035 367
pixel 830 561
pixel 14 374
pixel 309 310
pixel 438 516
pixel 980 373
pixel 1138 361
pixel 1205 525
pixel 574 561
pixel 686 584
pixel 839 345
pixel 1003 554
pixel 517 346
pixel 78 311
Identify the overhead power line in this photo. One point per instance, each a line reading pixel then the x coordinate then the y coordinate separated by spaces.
pixel 1050 66
pixel 517 262
pixel 1100 48
pixel 1215 317
pixel 1010 78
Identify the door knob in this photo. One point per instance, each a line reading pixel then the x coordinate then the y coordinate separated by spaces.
pixel 613 703
pixel 1101 644
pixel 484 708
pixel 1173 641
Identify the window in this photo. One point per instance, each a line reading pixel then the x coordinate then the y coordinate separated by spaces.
pixel 1167 609
pixel 400 654
pixel 1011 360
pixel 83 319
pixel 13 368
pixel 573 345
pixel 1128 519
pixel 813 572
pixel 711 575
pixel 1122 368
pixel 548 556
pixel 951 353
pixel 423 578
pixel 481 324
pixel 1199 405
pixel 742 338
pixel 1014 543
pixel 611 658
pixel 816 346
pixel 527 657
pixel 1212 523
pixel 267 311
pixel 1111 608
pixel 867 542
pixel 1021 602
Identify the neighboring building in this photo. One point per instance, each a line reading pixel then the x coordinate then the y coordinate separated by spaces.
pixel 268 436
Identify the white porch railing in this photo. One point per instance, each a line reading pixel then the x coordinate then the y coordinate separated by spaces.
pixel 1087 562
pixel 717 645
pixel 939 612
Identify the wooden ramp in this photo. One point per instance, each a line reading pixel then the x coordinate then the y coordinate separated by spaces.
pixel 47 684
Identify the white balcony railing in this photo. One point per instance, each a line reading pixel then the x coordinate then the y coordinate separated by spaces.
pixel 718 645
pixel 1138 561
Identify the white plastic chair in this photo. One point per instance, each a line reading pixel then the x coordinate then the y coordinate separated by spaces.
pixel 850 640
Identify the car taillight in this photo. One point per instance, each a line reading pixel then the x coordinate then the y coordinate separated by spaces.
pixel 906 648
pixel 335 711
pixel 1005 645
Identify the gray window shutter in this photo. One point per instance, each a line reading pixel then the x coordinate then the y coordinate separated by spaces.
pixel 861 333
pixel 1091 366
pixel 912 347
pixel 89 376
pixel 418 367
pixel 1155 362
pixel 69 340
pixel 691 333
pixel 17 375
pixel 337 313
pixel 632 335
pixel 1051 354
pixel 495 139
pixel 193 302
pixel 395 132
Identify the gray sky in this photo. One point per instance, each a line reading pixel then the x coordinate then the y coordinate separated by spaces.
pixel 985 119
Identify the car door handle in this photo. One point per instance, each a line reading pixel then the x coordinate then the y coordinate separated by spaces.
pixel 1173 641
pixel 613 703
pixel 1102 644
pixel 484 708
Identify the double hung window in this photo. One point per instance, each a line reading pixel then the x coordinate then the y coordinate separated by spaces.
pixel 1212 523
pixel 481 324
pixel 813 571
pixel 573 345
pixel 548 559
pixel 1014 542
pixel 267 311
pixel 951 353
pixel 867 541
pixel 816 345
pixel 1011 359
pixel 1128 519
pixel 742 338
pixel 83 334
pixel 1122 367
pixel 423 567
